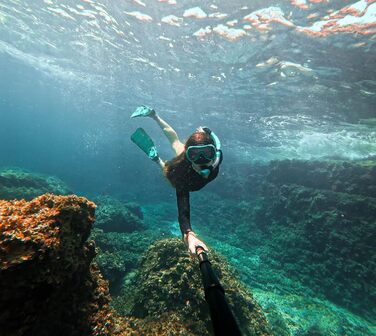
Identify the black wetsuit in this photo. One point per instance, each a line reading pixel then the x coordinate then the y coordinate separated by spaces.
pixel 189 181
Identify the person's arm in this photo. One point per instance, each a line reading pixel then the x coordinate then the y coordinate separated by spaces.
pixel 189 237
pixel 170 133
pixel 184 212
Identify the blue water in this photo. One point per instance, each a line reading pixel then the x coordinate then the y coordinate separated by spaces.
pixel 72 72
pixel 280 87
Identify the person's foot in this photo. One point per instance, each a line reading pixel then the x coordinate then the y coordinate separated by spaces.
pixel 153 154
pixel 159 161
pixel 152 113
pixel 143 111
pixel 148 111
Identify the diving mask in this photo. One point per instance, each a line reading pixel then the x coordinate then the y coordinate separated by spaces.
pixel 201 154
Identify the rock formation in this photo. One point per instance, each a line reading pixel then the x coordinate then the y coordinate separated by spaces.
pixel 19 183
pixel 116 216
pixel 308 221
pixel 49 285
pixel 168 283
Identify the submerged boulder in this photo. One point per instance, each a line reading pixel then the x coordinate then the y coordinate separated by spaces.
pixel 168 284
pixel 113 215
pixel 119 253
pixel 49 285
pixel 16 183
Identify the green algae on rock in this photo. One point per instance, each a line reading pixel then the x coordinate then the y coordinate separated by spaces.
pixel 327 239
pixel 310 222
pixel 113 215
pixel 119 253
pixel 16 183
pixel 169 281
pixel 246 181
pixel 307 316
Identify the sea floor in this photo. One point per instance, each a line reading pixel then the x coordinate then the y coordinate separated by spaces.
pixel 273 246
pixel 291 308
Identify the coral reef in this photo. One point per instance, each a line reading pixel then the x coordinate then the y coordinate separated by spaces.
pixel 169 282
pixel 358 177
pixel 327 239
pixel 119 253
pixel 299 234
pixel 115 216
pixel 309 222
pixel 119 234
pixel 16 183
pixel 301 315
pixel 246 181
pixel 49 285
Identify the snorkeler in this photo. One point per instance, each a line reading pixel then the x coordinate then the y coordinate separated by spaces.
pixel 195 165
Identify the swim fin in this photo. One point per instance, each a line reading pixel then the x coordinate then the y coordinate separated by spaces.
pixel 142 111
pixel 145 143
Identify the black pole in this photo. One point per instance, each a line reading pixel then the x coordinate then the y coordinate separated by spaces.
pixel 223 320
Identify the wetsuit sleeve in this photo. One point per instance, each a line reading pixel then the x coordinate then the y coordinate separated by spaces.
pixel 184 210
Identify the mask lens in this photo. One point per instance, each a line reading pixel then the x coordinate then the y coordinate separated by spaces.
pixel 194 153
pixel 208 152
pixel 204 153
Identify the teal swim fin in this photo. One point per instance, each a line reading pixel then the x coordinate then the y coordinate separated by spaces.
pixel 142 111
pixel 145 143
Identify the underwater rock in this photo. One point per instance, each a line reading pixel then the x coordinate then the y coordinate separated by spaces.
pixel 169 283
pixel 49 284
pixel 16 183
pixel 290 314
pixel 357 177
pixel 115 216
pixel 325 240
pixel 119 253
pixel 247 181
pixel 310 224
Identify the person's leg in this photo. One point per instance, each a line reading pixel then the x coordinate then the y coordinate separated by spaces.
pixel 166 128
pixel 160 162
pixel 170 133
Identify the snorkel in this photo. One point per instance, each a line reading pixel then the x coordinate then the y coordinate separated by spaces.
pixel 217 145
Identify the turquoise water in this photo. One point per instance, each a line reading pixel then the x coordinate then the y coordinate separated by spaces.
pixel 276 80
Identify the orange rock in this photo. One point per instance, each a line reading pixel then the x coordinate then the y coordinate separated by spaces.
pixel 50 285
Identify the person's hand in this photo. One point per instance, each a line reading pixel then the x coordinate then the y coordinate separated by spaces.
pixel 193 243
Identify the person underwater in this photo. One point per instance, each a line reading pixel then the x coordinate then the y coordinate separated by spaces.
pixel 196 164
